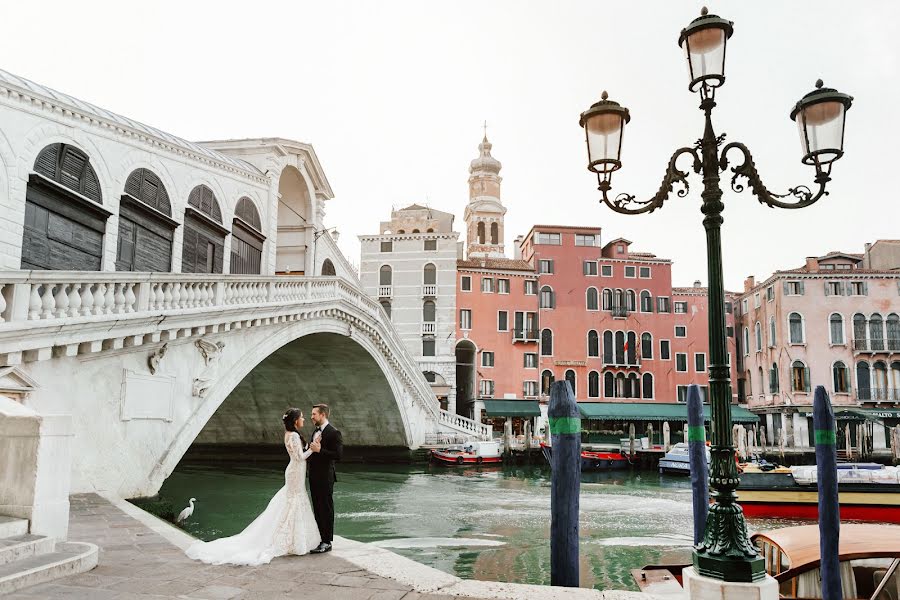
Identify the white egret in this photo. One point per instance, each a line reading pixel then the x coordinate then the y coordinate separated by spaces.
pixel 187 511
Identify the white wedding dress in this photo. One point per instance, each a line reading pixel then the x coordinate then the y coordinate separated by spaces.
pixel 287 526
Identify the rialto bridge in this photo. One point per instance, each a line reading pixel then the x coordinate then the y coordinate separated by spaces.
pixel 155 292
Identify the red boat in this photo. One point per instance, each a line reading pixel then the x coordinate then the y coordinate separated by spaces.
pixel 473 453
pixel 602 460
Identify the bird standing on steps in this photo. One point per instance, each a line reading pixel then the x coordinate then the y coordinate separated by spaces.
pixel 187 511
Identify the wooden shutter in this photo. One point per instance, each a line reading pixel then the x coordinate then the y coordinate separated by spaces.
pixel 801 288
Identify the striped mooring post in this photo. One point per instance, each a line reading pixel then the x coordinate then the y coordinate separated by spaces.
pixel 565 484
pixel 829 509
pixel 697 456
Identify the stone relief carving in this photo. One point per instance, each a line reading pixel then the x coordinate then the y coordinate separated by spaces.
pixel 211 353
pixel 155 360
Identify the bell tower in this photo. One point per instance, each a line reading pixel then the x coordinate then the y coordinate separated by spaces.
pixel 484 212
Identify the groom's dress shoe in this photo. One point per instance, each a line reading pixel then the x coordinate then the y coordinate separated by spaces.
pixel 323 547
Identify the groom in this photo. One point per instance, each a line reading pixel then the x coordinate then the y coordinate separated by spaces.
pixel 327 447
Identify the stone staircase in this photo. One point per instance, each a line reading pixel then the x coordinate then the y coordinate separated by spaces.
pixel 27 559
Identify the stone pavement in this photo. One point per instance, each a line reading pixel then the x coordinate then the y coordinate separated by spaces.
pixel 137 563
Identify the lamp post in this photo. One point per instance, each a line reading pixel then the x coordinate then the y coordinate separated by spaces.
pixel 725 553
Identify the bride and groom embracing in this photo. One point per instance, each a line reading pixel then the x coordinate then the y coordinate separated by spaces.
pixel 291 524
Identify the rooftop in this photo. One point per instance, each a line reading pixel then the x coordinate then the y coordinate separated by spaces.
pixel 500 264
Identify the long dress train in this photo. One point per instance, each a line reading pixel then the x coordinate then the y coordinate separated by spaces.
pixel 287 526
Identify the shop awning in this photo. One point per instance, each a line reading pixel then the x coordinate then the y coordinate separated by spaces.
pixel 652 411
pixel 512 408
pixel 842 413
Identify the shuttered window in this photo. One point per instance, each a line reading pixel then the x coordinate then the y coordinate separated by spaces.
pixel 247 239
pixel 146 229
pixel 204 235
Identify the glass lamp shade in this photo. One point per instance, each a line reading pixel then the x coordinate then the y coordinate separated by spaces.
pixel 604 124
pixel 820 117
pixel 704 42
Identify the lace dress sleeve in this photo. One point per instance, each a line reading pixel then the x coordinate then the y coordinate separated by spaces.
pixel 295 447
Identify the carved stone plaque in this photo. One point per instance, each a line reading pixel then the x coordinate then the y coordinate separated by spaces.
pixel 148 396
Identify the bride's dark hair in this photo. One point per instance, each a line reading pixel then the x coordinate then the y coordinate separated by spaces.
pixel 289 418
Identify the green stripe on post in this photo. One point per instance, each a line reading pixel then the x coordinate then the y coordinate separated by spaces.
pixel 825 437
pixel 560 425
pixel 697 433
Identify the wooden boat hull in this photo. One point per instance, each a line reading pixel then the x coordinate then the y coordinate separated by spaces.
pixel 456 459
pixel 594 461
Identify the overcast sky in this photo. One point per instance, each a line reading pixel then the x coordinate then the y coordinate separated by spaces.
pixel 392 95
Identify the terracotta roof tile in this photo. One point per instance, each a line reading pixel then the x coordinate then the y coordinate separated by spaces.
pixel 506 264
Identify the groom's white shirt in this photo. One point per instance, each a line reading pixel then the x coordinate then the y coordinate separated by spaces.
pixel 321 429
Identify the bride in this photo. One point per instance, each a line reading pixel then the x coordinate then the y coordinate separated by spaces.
pixel 287 526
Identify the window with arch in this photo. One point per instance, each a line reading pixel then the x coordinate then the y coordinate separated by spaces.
pixel 428 311
pixel 772 331
pixel 385 275
pixel 609 385
pixel 546 342
pixel 863 381
pixel 840 377
pixel 547 299
pixel 593 384
pixel 647 384
pixel 247 240
pixel 495 233
pixel 758 331
pixel 746 341
pixel 593 343
pixel 893 335
pixel 620 347
pixel 64 217
pixel 429 274
pixel 592 299
pixel 879 381
pixel 876 333
pixel 836 329
pixel 646 302
pixel 895 376
pixel 415 231
pixel 619 299
pixel 328 269
pixel 795 328
pixel 146 227
pixel 773 379
pixel 631 349
pixel 646 345
pixel 608 347
pixel 799 377
pixel 607 299
pixel 386 306
pixel 859 332
pixel 630 300
pixel 480 230
pixel 204 236
pixel 621 390
pixel 570 377
pixel 546 381
pixel 633 386
pixel 762 382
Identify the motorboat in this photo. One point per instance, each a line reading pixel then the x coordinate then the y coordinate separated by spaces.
pixel 471 453
pixel 595 458
pixel 677 460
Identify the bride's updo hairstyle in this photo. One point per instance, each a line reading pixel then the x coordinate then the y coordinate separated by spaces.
pixel 290 417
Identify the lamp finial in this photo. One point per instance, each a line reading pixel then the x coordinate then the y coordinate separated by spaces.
pixel 604 95
pixel 819 84
pixel 704 11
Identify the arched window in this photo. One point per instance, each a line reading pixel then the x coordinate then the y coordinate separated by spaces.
pixel 646 345
pixel 401 231
pixel 607 299
pixel 64 219
pixel 895 376
pixel 863 381
pixel 593 384
pixel 593 343
pixel 570 377
pixel 879 381
pixel 746 341
pixel 608 347
pixel 893 332
pixel 415 231
pixel 631 350
pixel 385 275
pixel 429 230
pixel 773 379
pixel 762 383
pixel 247 240
pixel 146 227
pixel 646 302
pixel 428 311
pixel 619 299
pixel 386 305
pixel 634 386
pixel 546 381
pixel 758 331
pixel 547 299
pixel 859 332
pixel 620 347
pixel 546 342
pixel 876 333
pixel 795 327
pixel 836 328
pixel 621 386
pixel 772 331
pixel 630 300
pixel 799 377
pixel 609 385
pixel 648 385
pixel 429 274
pixel 840 376
pixel 204 236
pixel 328 268
pixel 495 233
pixel 480 228
pixel 592 303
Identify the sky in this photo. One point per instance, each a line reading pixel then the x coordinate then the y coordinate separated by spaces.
pixel 393 94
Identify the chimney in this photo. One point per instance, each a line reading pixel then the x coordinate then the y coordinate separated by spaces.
pixel 517 249
pixel 697 283
pixel 812 263
pixel 749 283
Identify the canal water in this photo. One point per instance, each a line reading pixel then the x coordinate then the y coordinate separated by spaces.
pixel 479 523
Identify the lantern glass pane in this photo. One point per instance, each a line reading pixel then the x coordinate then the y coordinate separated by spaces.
pixel 705 51
pixel 604 136
pixel 822 130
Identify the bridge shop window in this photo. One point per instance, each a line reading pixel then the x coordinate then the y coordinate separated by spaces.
pixel 247 240
pixel 64 217
pixel 146 227
pixel 204 235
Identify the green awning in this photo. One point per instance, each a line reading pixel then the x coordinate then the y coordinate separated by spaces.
pixel 512 408
pixel 653 411
pixel 842 413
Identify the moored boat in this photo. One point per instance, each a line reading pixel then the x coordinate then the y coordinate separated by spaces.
pixel 677 460
pixel 473 453
pixel 595 459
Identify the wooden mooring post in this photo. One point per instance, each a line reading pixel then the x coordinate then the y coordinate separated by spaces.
pixel 826 481
pixel 565 484
pixel 697 457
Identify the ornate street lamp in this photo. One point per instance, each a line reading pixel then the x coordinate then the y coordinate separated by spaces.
pixel 725 552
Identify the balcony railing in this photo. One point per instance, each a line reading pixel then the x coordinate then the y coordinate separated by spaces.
pixel 891 344
pixel 429 289
pixel 385 291
pixel 878 394
pixel 525 335
pixel 620 361
pixel 619 312
pixel 428 328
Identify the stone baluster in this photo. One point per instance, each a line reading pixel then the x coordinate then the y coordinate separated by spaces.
pixel 202 293
pixel 167 294
pixel 35 304
pixel 110 304
pixel 119 299
pixel 229 293
pixel 87 299
pixel 188 295
pixel 160 296
pixel 61 300
pixel 176 292
pixel 99 299
pixel 74 300
pixel 3 288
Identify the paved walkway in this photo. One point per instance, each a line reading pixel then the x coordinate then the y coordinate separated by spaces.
pixel 136 563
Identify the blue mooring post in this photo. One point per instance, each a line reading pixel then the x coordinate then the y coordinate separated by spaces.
pixel 697 455
pixel 829 510
pixel 565 484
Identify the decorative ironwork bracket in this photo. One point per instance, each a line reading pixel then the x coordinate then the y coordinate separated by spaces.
pixel 747 170
pixel 673 175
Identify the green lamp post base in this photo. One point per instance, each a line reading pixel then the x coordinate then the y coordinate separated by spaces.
pixel 726 553
pixel 730 568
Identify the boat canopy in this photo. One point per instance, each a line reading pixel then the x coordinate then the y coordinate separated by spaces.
pixel 653 411
pixel 512 408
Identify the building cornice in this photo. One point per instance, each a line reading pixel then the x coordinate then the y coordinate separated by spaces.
pixel 453 235
pixel 856 274
pixel 531 274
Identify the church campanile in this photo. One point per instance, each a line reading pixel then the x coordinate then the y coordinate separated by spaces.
pixel 484 212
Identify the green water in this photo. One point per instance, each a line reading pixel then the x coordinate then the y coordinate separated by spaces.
pixel 488 523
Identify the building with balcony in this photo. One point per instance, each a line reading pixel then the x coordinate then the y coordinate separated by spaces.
pixel 410 268
pixel 835 321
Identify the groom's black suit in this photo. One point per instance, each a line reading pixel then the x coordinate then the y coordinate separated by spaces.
pixel 322 478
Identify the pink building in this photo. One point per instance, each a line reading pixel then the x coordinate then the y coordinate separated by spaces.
pixel 832 322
